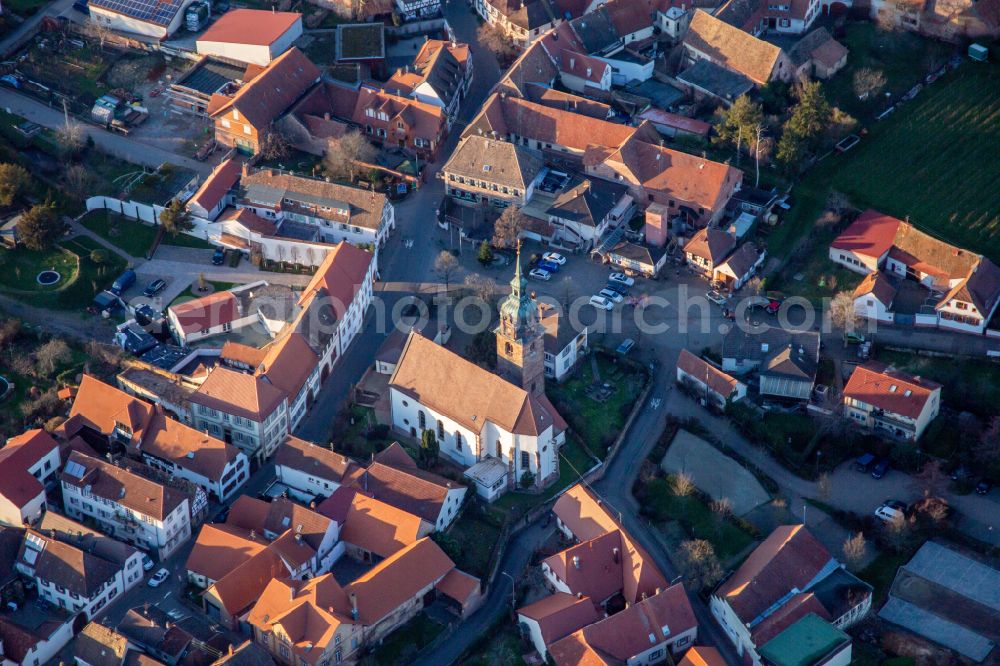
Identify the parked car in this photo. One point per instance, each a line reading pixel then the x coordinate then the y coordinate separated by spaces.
pixel 218 256
pixel 888 513
pixel 984 486
pixel 539 274
pixel 612 296
pixel 147 562
pixel 620 288
pixel 154 287
pixel 716 297
pixel 864 463
pixel 554 257
pixel 158 578
pixel 601 303
pixel 626 346
pixel 853 338
pixel 123 282
pixel 881 468
pixel 548 266
pixel 622 279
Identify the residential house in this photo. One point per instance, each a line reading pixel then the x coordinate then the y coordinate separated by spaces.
pixel 558 99
pixel 786 361
pixel 706 80
pixel 818 55
pixel 478 416
pixel 30 463
pixel 440 75
pixel 961 289
pixel 740 266
pixel 482 170
pixel 136 17
pixel 675 125
pixel 305 539
pixel 413 10
pixel 786 578
pixel 712 385
pixel 708 248
pixel 311 471
pixel 200 318
pixel 97 645
pixel 605 574
pixel 243 118
pixel 344 619
pixel 564 345
pixel 123 504
pixel 217 191
pixel 524 20
pixel 29 643
pixel 586 210
pixel 253 36
pixel 372 530
pixel 162 640
pixel 810 639
pixel 964 624
pixel 890 402
pixel 72 578
pixel 646 260
pixel 690 186
pixel 758 17
pixel 328 212
pixel 394 478
pixel 701 655
pixel 710 38
pixel 874 298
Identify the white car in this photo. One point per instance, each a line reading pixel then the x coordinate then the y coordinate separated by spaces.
pixel 716 297
pixel 888 513
pixel 611 295
pixel 158 578
pixel 601 303
pixel 621 278
pixel 539 274
pixel 147 562
pixel 554 257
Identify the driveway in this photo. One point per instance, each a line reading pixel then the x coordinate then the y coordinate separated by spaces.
pixel 123 147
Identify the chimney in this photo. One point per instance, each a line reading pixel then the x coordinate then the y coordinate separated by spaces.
pixel 246 169
pixel 615 553
pixel 298 538
pixel 354 606
pixel 589 71
pixel 576 561
pixel 326 115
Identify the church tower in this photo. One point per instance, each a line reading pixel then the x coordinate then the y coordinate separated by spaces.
pixel 520 337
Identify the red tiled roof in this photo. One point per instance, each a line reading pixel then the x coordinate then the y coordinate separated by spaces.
pixel 560 614
pixel 313 459
pixel 683 123
pixel 789 558
pixel 711 244
pixel 258 27
pixel 100 407
pixel 889 389
pixel 186 447
pixel 378 527
pixel 272 91
pixel 249 219
pixel 206 312
pixel 220 549
pixel 222 179
pixel 870 235
pixel 706 373
pixel 701 655
pixel 239 394
pixel 17 485
pixel 340 276
pixel 121 486
pixel 732 48
pixel 288 362
pixel 459 586
pixel 879 285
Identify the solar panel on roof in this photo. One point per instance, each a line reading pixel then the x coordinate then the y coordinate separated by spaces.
pixel 75 469
pixel 160 12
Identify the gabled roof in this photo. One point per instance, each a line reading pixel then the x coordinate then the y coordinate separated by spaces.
pixel 495 161
pixel 339 277
pixel 378 527
pixel 239 394
pixel 271 92
pixel 459 586
pixel 560 614
pixel 17 485
pixel 186 447
pixel 65 565
pixel 215 186
pixel 889 389
pixel 157 13
pixel 258 27
pixel 629 633
pixel 439 64
pixel 870 235
pixel 742 261
pixel 198 314
pixel 67 530
pixel 314 460
pixel 701 655
pixel 583 514
pixel 559 99
pixel 706 373
pixel 818 44
pixel 277 517
pixel 878 285
pixel 288 362
pixel 788 614
pixel 101 406
pixel 350 205
pixel 465 392
pixel 409 488
pixel 249 220
pixel 120 486
pixel 98 645
pixel 534 66
pixel 240 588
pixel 712 244
pixel 219 549
pixel 731 47
pixel 790 558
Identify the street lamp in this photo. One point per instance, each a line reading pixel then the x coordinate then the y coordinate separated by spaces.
pixel 513 602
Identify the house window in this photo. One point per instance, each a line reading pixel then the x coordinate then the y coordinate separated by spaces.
pixel 422 420
pixel 440 432
pixel 458 440
pixel 508 349
pixel 499 449
pixel 226 123
pixel 246 129
pixel 525 460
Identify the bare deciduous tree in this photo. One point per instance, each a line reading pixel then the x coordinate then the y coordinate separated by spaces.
pixel 682 484
pixel 508 227
pixel 868 82
pixel 51 355
pixel 446 264
pixel 273 145
pixel 343 155
pixel 481 286
pixel 700 565
pixel 842 311
pixel 855 548
pixel 497 41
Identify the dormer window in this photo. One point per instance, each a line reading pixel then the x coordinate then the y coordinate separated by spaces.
pixel 123 431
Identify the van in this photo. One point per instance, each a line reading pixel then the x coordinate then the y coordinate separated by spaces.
pixel 888 513
pixel 124 281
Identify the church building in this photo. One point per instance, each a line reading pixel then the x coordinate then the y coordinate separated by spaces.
pixel 500 427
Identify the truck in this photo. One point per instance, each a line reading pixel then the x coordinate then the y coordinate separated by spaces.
pixel 123 282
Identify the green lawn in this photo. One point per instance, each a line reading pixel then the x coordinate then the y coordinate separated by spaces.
pixel 934 161
pixel 598 423
pixel 500 647
pixel 469 542
pixel 192 292
pixel 186 240
pixel 77 287
pixel 969 385
pixel 697 519
pixel 19 268
pixel 573 462
pixel 133 237
pixel 406 642
pixel 880 574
